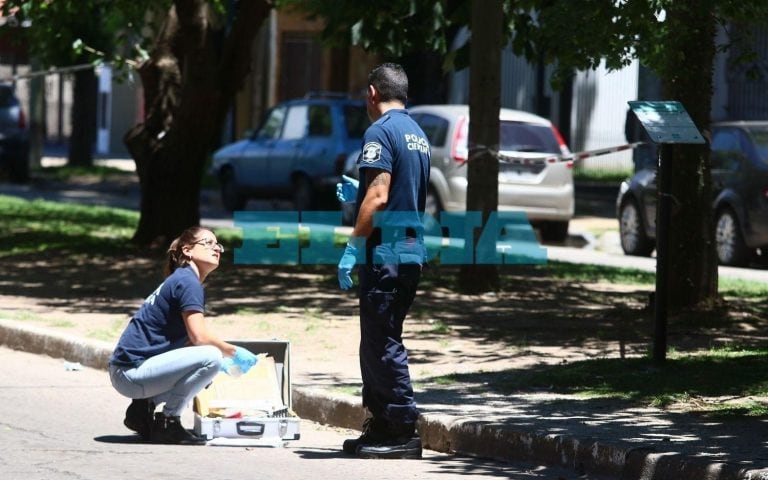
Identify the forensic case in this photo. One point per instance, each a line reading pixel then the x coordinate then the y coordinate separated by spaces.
pixel 255 408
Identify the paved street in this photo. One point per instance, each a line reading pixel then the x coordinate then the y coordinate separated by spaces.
pixel 57 424
pixel 596 257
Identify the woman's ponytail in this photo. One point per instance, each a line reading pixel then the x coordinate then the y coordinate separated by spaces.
pixel 176 257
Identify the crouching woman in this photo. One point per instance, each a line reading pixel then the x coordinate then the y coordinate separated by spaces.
pixel 167 354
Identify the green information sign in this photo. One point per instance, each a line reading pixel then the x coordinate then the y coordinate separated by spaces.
pixel 666 122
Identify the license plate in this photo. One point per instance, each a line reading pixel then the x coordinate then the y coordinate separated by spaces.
pixel 511 173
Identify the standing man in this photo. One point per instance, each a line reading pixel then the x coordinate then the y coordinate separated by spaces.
pixel 387 242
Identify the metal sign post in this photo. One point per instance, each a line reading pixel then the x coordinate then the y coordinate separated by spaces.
pixel 667 123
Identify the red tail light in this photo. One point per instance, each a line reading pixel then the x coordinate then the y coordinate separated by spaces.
pixel 560 141
pixel 22 119
pixel 563 146
pixel 459 152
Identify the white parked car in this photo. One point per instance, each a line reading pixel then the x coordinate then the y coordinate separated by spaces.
pixel 543 189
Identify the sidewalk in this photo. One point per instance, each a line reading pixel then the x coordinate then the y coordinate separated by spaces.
pixel 593 438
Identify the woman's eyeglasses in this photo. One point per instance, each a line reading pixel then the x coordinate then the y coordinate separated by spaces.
pixel 208 243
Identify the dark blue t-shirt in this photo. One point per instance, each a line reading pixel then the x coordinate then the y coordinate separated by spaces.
pixel 395 143
pixel 158 326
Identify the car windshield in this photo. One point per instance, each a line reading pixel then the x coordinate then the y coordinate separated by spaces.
pixel 526 137
pixel 760 138
pixel 273 124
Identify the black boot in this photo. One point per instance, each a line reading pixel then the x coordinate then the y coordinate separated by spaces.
pixel 169 430
pixel 400 441
pixel 374 429
pixel 139 416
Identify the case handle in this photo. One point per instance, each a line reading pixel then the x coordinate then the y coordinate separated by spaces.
pixel 250 429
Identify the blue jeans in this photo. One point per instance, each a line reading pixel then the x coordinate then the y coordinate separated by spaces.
pixel 173 377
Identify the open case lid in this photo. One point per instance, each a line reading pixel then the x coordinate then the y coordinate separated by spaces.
pixel 268 383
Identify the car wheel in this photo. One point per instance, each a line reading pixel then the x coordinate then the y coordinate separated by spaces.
pixel 433 206
pixel 303 194
pixel 230 195
pixel 18 170
pixel 432 209
pixel 554 231
pixel 731 249
pixel 634 240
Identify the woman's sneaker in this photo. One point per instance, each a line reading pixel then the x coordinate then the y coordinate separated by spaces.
pixel 139 416
pixel 168 430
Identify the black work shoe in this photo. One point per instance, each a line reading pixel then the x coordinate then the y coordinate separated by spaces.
pixel 139 416
pixel 169 430
pixel 374 429
pixel 394 447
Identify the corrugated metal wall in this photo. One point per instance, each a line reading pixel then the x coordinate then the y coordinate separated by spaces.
pixel 748 97
pixel 599 113
pixel 518 85
pixel 518 82
pixel 598 110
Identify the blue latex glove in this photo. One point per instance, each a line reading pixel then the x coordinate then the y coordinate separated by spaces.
pixel 228 366
pixel 244 359
pixel 239 363
pixel 349 259
pixel 346 190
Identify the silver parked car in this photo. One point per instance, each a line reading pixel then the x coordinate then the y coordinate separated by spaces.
pixel 543 189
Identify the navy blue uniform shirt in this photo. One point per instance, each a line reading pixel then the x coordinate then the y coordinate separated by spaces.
pixel 395 143
pixel 158 326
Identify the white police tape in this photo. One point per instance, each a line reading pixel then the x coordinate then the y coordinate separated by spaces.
pixel 572 157
pixel 49 71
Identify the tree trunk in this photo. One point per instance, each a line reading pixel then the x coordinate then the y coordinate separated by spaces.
pixel 692 255
pixel 36 117
pixel 190 80
pixel 484 105
pixel 83 118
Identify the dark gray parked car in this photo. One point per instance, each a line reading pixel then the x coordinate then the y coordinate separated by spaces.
pixel 14 136
pixel 740 185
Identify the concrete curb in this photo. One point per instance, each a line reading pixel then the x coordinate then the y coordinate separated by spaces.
pixel 71 348
pixel 441 433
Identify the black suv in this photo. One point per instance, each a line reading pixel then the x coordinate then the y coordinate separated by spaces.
pixel 739 159
pixel 14 136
